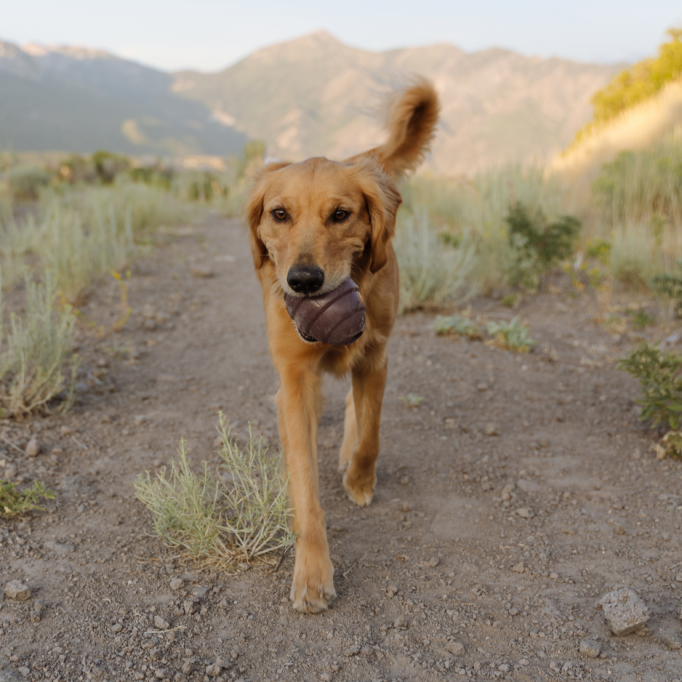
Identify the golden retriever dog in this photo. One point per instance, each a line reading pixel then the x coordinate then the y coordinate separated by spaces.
pixel 313 225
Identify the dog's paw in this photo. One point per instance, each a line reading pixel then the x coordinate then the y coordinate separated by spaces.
pixel 313 585
pixel 360 489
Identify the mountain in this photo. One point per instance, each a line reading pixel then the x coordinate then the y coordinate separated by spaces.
pixel 79 100
pixel 316 96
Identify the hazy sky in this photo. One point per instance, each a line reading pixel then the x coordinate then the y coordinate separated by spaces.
pixel 211 34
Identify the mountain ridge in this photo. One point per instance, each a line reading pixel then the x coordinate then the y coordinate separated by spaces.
pixel 313 95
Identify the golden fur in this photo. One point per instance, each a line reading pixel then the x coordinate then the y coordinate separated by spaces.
pixel 310 194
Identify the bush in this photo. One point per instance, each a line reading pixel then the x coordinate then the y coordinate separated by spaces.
pixel 430 272
pixel 477 207
pixel 660 377
pixel 33 365
pixel 26 181
pixel 236 514
pixel 537 244
pixel 14 502
pixel 512 335
pixel 457 324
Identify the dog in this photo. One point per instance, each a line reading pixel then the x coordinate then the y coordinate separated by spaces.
pixel 312 225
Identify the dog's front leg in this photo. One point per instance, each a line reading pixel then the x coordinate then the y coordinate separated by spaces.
pixel 298 406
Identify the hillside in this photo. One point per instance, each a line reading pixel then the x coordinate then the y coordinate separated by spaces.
pixel 76 99
pixel 315 95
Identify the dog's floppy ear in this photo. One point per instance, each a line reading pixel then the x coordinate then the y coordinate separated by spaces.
pixel 383 200
pixel 254 212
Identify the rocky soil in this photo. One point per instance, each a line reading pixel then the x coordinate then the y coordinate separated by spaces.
pixel 519 492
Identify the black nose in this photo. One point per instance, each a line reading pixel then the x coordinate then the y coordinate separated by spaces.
pixel 305 279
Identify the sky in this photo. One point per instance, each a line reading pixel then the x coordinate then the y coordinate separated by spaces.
pixel 209 35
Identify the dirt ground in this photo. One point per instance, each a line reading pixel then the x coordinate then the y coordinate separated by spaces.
pixel 520 491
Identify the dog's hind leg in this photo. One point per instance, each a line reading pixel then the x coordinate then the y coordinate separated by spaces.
pixel 369 383
pixel 350 433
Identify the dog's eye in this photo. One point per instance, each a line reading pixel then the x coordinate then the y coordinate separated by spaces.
pixel 340 215
pixel 280 214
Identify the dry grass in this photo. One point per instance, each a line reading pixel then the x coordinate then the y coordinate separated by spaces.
pixel 34 361
pixel 237 513
pixel 81 234
pixel 430 272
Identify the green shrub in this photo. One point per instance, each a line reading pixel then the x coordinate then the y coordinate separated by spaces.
pixel 660 377
pixel 14 502
pixel 456 324
pixel 37 349
pixel 513 335
pixel 25 181
pixel 236 514
pixel 538 244
pixel 430 272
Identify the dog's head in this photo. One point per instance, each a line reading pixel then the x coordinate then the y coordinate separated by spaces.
pixel 314 219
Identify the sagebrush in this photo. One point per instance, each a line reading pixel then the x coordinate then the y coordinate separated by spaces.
pixel 36 362
pixel 660 377
pixel 236 513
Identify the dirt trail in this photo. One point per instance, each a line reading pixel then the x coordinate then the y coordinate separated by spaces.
pixel 517 494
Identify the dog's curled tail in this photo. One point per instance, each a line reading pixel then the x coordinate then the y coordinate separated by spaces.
pixel 411 119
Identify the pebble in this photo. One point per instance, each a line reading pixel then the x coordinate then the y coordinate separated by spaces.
pixel 672 641
pixel 491 430
pixel 506 493
pixel 519 568
pixel 160 623
pixel 213 670
pixel 326 677
pixel 352 650
pixel 400 622
pixel 17 591
pixel 624 611
pixel 455 648
pixel 201 271
pixel 434 561
pixel 116 627
pixel 176 583
pixel 589 648
pixel 161 673
pixel 524 513
pixel 33 447
pixel 199 591
pixel 25 672
pixel 404 480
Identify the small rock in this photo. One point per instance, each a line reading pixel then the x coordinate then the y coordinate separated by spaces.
pixel 554 576
pixel 199 591
pixel 524 513
pixel 160 623
pixel 326 677
pixel 391 591
pixel 25 672
pixel 504 668
pixel 161 673
pixel 116 627
pixel 17 591
pixel 455 648
pixel 519 568
pixel 352 650
pixel 33 447
pixel 506 494
pixel 434 561
pixel 404 480
pixel 624 611
pixel 672 641
pixel 9 472
pixel 201 271
pixel 618 529
pixel 589 648
pixel 176 584
pixel 491 430
pixel 188 667
pixel 400 622
pixel 213 670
